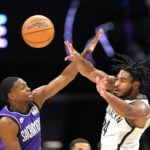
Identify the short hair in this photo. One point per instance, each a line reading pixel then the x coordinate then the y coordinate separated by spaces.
pixel 6 86
pixel 138 71
pixel 78 140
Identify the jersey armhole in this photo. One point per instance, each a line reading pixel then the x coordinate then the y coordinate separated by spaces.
pixel 129 123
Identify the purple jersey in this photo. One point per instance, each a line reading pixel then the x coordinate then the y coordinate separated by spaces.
pixel 29 124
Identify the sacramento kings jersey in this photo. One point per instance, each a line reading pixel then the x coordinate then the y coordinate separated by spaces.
pixel 29 124
pixel 118 134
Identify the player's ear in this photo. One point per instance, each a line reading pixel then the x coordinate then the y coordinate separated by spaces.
pixel 136 85
pixel 11 96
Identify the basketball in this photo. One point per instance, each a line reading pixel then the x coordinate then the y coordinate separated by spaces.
pixel 38 31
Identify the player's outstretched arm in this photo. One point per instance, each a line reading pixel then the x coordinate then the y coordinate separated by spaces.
pixel 68 74
pixel 85 67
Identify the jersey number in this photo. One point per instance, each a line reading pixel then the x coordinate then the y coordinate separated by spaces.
pixel 105 126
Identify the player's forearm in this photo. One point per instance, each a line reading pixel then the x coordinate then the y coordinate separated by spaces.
pixel 89 49
pixel 71 71
pixel 84 67
pixel 121 107
pixel 88 70
pixel 130 111
pixel 44 92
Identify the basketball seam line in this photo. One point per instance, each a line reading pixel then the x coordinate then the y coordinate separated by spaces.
pixel 39 42
pixel 38 31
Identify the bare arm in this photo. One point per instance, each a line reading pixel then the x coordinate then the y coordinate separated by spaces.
pixel 68 74
pixel 130 111
pixel 8 134
pixel 87 69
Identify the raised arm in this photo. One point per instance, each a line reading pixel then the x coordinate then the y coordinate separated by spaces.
pixel 86 68
pixel 68 74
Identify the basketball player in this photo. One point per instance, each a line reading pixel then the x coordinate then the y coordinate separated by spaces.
pixel 80 144
pixel 20 119
pixel 127 114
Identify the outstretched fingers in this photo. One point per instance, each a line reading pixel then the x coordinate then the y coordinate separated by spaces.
pixel 73 54
pixel 91 46
pixel 99 33
pixel 71 51
pixel 101 86
pixel 69 46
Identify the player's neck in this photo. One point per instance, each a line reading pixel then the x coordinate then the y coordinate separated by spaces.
pixel 131 96
pixel 22 108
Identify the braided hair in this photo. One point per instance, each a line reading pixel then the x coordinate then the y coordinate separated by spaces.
pixel 138 71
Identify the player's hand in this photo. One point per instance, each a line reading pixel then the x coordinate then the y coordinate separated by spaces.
pixel 91 46
pixel 73 54
pixel 101 86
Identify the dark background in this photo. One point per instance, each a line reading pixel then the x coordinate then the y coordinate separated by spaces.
pixel 76 111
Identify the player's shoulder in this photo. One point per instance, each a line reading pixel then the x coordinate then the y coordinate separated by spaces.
pixel 8 126
pixel 142 105
pixel 138 103
pixel 38 90
pixel 6 121
pixel 38 94
pixel 141 99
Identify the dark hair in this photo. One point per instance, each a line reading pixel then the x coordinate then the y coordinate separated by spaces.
pixel 6 86
pixel 78 140
pixel 138 71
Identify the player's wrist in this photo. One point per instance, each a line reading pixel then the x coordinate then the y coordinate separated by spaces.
pixel 88 51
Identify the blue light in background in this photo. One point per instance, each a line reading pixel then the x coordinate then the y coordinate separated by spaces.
pixel 3 19
pixel 3 31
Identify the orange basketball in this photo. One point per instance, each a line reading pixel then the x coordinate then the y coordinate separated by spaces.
pixel 38 31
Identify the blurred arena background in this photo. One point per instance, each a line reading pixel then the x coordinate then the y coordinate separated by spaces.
pixel 77 111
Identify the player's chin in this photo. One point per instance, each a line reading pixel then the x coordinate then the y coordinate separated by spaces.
pixel 118 94
pixel 30 97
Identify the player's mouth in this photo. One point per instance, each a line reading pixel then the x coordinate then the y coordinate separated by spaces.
pixel 30 95
pixel 116 91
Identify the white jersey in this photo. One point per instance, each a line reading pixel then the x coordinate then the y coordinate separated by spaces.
pixel 118 134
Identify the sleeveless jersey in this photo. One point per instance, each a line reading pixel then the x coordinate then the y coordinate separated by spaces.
pixel 118 134
pixel 30 131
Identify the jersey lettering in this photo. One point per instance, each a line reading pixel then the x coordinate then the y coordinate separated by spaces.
pixel 31 130
pixel 114 115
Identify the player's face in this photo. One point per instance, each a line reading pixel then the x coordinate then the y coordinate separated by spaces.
pixel 81 146
pixel 20 91
pixel 123 85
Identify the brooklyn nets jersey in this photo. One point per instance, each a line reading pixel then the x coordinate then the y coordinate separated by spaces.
pixel 118 134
